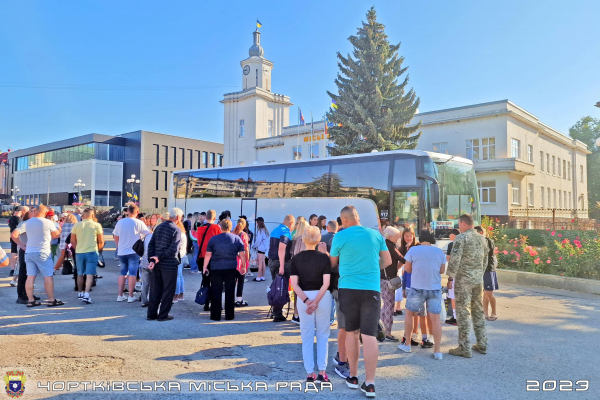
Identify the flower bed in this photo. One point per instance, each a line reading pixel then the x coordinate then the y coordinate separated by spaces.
pixel 567 253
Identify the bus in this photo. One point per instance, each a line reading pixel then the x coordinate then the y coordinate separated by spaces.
pixel 419 188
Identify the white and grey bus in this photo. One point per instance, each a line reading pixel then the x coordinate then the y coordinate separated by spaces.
pixel 419 188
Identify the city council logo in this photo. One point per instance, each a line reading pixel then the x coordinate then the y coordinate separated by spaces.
pixel 15 383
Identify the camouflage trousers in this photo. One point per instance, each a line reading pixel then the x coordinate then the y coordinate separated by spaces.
pixel 469 305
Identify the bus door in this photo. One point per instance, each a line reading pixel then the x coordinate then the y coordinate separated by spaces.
pixel 406 207
pixel 249 208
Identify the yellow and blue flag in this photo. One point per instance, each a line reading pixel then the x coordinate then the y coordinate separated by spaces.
pixel 333 104
pixel 129 194
pixel 135 196
pixel 258 24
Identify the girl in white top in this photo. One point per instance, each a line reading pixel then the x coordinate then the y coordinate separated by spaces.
pixel 261 245
pixel 179 287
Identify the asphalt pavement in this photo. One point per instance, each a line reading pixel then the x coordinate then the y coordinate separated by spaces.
pixel 540 334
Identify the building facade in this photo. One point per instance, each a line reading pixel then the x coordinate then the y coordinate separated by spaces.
pixel 47 174
pixel 520 162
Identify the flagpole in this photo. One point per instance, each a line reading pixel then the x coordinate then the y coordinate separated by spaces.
pixel 298 135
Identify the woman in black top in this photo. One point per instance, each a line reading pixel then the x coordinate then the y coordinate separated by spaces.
pixel 392 235
pixel 310 275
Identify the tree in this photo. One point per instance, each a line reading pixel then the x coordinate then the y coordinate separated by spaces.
pixel 587 130
pixel 373 107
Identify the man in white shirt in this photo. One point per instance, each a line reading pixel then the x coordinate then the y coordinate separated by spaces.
pixel 128 231
pixel 38 257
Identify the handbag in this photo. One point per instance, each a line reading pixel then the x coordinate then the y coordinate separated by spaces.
pixel 67 267
pixel 202 295
pixel 394 283
pixel 138 247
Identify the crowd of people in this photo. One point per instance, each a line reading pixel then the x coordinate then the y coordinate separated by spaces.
pixel 337 270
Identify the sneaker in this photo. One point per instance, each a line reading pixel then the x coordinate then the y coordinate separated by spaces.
pixel 87 300
pixel 352 382
pixel 296 320
pixel 437 356
pixel 369 390
pixel 279 318
pixel 322 378
pixel 460 352
pixel 13 283
pixel 479 349
pixel 343 370
pixel 391 338
pixel 249 273
pixel 80 296
pixel 311 377
pixel 131 299
pixel 405 348
pixel 138 286
pixel 427 344
pixel 121 298
pixel 396 313
pixel 332 322
pixel 22 301
pixel 256 279
pixel 451 321
pixel 414 342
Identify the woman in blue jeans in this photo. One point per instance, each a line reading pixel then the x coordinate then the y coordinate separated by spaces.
pixel 426 264
pixel 179 287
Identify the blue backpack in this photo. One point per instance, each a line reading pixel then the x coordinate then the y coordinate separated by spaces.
pixel 278 295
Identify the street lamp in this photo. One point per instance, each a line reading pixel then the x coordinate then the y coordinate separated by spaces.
pixel 79 187
pixel 132 180
pixel 15 193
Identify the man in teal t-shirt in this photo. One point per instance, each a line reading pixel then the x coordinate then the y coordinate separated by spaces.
pixel 361 253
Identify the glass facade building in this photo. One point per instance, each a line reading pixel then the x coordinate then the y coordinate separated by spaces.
pixel 83 152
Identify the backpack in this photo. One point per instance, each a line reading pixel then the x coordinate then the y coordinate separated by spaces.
pixel 278 295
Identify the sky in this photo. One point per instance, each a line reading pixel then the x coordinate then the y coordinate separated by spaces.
pixel 71 67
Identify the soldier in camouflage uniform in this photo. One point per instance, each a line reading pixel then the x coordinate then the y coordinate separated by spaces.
pixel 465 271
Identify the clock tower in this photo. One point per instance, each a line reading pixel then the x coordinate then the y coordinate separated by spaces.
pixel 255 112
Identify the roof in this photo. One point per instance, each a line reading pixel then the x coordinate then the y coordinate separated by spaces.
pixel 61 144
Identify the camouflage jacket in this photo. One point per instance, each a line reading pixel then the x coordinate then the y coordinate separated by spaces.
pixel 469 258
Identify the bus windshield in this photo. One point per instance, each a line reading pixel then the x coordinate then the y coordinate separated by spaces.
pixel 458 192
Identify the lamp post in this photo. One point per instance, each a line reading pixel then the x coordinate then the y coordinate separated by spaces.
pixel 79 186
pixel 132 180
pixel 15 193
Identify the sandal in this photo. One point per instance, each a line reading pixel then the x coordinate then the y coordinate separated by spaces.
pixel 492 318
pixel 55 303
pixel 33 303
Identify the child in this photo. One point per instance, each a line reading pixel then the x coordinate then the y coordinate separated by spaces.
pixel 452 236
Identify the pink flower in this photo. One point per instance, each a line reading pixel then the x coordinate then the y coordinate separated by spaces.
pixel 548 262
pixel 560 258
pixel 512 260
pixel 561 274
pixel 536 261
pixel 505 252
pixel 557 251
pixel 490 228
pixel 578 245
pixel 548 229
pixel 577 237
pixel 552 233
pixel 559 235
pixel 572 220
pixel 533 253
pixel 517 254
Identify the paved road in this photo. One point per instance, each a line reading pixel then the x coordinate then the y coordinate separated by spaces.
pixel 541 334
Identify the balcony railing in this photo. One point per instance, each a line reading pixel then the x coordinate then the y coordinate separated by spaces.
pixel 551 218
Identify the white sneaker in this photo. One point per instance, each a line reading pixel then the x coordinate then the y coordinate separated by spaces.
pixel 121 298
pixel 13 283
pixel 87 300
pixel 80 296
pixel 131 299
pixel 138 286
pixel 437 356
pixel 405 348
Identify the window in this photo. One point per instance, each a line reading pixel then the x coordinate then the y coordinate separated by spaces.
pixel 190 152
pixel 297 153
pixel 256 78
pixel 356 179
pixel 558 162
pixel 205 159
pixel 553 165
pixel 548 166
pixel 199 160
pixel 554 198
pixel 473 149
pixel 242 131
pixel 441 147
pixel 212 159
pixel 564 170
pixel 487 191
pixel 314 150
pixel 530 153
pixel 581 172
pixel 565 199
pixel 166 176
pixel 155 179
pixel 233 183
pixel 541 161
pixel 549 198
pixel 488 148
pixel 270 128
pixel 164 202
pixel 531 194
pixel 560 204
pixel 582 202
pixel 516 192
pixel 542 196
pixel 327 149
pixel 174 156
pixel 157 148
pixel 166 149
pixel 405 172
pixel 515 148
pixel 569 170
pixel 307 180
pixel 182 157
pixel 219 160
pixel 267 182
pixel 155 201
pixel 570 203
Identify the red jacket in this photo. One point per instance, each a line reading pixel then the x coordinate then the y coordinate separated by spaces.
pixel 213 230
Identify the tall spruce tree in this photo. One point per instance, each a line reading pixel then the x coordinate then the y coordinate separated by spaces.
pixel 373 107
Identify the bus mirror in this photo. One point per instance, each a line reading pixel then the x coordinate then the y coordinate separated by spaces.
pixel 435 195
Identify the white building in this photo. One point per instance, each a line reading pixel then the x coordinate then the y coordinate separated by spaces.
pixel 520 162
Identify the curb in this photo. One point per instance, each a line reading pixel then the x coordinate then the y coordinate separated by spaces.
pixel 549 281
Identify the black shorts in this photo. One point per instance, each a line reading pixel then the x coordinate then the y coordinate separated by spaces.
pixel 13 247
pixel 490 283
pixel 361 310
pixel 260 252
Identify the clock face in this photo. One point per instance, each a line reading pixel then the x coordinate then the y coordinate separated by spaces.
pixel 246 70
